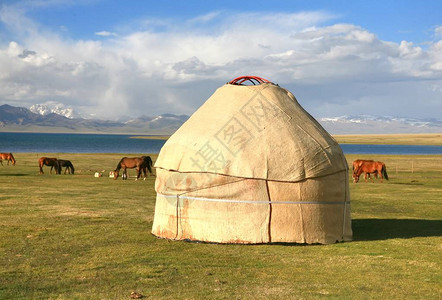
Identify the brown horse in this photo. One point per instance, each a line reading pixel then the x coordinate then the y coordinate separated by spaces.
pixel 368 167
pixel 356 165
pixel 129 163
pixel 7 156
pixel 50 162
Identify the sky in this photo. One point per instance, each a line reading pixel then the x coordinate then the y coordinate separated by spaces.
pixel 124 59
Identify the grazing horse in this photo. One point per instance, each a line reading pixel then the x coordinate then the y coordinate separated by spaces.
pixel 130 162
pixel 356 165
pixel 50 162
pixel 370 167
pixel 7 156
pixel 65 164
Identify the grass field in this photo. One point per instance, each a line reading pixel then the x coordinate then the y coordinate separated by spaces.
pixel 80 237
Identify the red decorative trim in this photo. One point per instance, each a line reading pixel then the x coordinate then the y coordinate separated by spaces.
pixel 253 79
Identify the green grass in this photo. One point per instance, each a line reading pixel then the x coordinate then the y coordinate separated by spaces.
pixel 80 237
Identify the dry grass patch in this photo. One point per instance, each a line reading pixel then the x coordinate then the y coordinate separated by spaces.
pixel 393 139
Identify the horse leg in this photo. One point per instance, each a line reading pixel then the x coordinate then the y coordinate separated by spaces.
pixel 124 173
pixel 138 172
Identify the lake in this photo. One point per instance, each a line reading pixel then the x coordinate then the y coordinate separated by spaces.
pixel 113 143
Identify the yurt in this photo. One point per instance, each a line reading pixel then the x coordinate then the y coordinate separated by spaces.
pixel 252 166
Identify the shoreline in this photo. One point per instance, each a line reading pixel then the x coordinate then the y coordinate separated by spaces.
pixel 425 139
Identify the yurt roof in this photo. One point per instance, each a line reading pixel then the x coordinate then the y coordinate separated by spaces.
pixel 252 131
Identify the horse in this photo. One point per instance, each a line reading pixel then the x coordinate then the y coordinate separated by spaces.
pixel 356 165
pixel 370 167
pixel 50 162
pixel 130 162
pixel 66 164
pixel 7 156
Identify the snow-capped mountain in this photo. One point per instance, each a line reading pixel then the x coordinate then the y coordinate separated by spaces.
pixel 53 107
pixel 161 121
pixel 379 124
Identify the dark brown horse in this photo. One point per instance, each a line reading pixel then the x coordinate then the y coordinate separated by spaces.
pixel 65 164
pixel 368 167
pixel 125 163
pixel 7 156
pixel 50 162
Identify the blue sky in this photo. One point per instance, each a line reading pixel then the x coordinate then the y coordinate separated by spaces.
pixel 389 20
pixel 129 58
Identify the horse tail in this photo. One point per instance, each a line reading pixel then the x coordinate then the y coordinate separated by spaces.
pixel 384 171
pixel 149 164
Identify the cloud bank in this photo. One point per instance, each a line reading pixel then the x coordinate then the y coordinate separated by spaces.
pixel 174 66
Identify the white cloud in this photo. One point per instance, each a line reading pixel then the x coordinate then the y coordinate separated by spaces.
pixel 330 69
pixel 438 31
pixel 205 18
pixel 105 33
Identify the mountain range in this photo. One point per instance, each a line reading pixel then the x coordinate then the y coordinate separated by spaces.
pixel 40 118
pixel 366 124
pixel 18 119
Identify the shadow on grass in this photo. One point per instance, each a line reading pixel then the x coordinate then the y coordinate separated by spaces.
pixel 384 229
pixel 18 174
pixel 408 183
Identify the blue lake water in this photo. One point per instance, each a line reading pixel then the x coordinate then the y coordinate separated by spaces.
pixel 76 143
pixel 109 143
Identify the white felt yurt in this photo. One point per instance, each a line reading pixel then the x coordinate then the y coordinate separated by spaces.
pixel 252 166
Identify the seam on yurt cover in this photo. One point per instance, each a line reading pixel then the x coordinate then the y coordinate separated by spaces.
pixel 212 186
pixel 258 178
pixel 302 222
pixel 177 216
pixel 269 226
pixel 303 239
pixel 317 143
pixel 252 201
